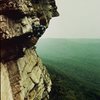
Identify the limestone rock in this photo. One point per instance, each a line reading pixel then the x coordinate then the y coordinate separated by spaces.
pixel 25 78
pixel 22 23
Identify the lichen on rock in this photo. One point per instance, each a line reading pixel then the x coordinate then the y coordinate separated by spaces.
pixel 22 23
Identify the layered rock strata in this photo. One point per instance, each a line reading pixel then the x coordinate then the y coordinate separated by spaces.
pixel 25 78
pixel 22 74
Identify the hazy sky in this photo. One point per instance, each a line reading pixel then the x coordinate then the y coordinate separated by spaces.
pixel 78 19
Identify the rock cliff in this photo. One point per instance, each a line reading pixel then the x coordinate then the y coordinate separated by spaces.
pixel 25 78
pixel 22 23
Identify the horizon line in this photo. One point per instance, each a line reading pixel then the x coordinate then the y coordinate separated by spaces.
pixel 68 38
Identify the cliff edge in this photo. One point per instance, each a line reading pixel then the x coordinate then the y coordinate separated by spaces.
pixel 22 23
pixel 25 78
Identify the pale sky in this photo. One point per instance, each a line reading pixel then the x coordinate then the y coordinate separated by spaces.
pixel 78 19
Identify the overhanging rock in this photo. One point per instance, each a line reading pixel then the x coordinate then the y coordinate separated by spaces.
pixel 22 23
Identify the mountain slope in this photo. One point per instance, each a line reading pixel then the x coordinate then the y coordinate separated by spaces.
pixel 75 63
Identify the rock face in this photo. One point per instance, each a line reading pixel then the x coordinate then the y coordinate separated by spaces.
pixel 22 22
pixel 25 78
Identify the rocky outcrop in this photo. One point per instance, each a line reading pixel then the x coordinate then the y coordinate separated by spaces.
pixel 22 23
pixel 25 78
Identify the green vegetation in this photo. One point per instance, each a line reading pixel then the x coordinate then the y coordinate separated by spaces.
pixel 68 88
pixel 74 66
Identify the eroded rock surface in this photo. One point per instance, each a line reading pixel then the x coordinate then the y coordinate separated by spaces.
pixel 25 78
pixel 22 23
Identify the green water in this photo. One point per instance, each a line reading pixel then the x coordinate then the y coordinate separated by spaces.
pixel 77 59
